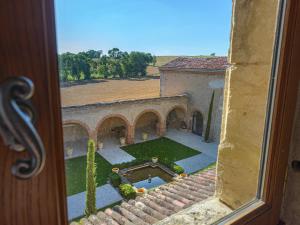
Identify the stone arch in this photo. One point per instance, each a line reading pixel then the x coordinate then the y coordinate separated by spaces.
pixel 149 121
pixel 197 122
pixel 112 128
pixel 80 123
pixel 176 117
pixel 76 135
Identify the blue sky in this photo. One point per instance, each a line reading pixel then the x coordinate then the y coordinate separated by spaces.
pixel 161 27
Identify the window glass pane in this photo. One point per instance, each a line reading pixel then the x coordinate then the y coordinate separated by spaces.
pixel 165 106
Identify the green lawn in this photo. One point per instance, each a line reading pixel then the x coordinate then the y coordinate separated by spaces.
pixel 75 170
pixel 166 150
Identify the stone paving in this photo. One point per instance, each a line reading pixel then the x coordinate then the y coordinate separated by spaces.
pixel 79 148
pixel 194 141
pixel 209 151
pixel 105 195
pixel 195 163
pixel 113 153
pixel 138 136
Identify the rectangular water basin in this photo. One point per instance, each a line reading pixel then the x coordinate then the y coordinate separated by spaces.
pixel 148 184
pixel 148 175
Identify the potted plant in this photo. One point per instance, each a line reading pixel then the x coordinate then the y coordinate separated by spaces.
pixel 144 136
pixel 115 170
pixel 69 152
pixel 141 191
pixel 122 141
pixel 127 191
pixel 154 159
pixel 100 145
pixel 183 175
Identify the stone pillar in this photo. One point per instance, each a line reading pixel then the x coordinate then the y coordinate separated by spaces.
pixel 190 124
pixel 93 136
pixel 130 134
pixel 161 129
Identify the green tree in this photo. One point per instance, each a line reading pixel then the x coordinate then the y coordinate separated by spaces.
pixel 154 60
pixel 116 63
pixel 139 62
pixel 90 180
pixel 103 67
pixel 126 65
pixel 207 131
pixel 92 54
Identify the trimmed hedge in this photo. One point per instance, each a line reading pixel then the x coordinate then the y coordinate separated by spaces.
pixel 127 191
pixel 115 179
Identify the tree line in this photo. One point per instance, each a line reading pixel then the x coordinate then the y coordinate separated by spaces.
pixel 94 64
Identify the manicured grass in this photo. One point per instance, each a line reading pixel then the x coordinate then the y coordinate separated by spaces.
pixel 166 150
pixel 75 172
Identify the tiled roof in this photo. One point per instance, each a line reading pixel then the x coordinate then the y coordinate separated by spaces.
pixel 200 64
pixel 158 204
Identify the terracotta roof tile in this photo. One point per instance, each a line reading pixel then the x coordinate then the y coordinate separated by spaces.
pixel 159 203
pixel 200 64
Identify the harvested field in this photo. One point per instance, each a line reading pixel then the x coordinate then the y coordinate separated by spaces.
pixel 109 90
pixel 160 61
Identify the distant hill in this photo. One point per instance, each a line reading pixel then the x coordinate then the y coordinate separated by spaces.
pixel 161 60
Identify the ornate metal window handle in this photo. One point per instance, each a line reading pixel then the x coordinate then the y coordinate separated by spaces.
pixel 16 126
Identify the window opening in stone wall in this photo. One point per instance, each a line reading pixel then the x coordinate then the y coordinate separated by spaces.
pixel 163 108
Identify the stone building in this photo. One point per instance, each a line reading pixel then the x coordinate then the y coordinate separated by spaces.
pixel 186 89
pixel 198 78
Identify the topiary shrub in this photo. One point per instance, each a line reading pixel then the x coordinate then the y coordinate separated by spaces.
pixel 127 191
pixel 206 136
pixel 90 204
pixel 115 179
pixel 177 169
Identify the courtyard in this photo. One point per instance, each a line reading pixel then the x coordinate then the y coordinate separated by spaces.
pixel 148 135
pixel 180 148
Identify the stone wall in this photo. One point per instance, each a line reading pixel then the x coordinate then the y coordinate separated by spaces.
pixel 245 98
pixel 92 116
pixel 199 86
pixel 74 133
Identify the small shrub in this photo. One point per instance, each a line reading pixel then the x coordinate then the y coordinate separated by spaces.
pixel 127 191
pixel 177 169
pixel 115 179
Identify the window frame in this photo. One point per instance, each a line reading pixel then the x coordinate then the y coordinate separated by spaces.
pixel 49 186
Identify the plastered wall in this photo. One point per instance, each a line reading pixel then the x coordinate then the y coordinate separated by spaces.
pixel 199 87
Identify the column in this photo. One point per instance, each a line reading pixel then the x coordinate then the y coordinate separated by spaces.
pixel 130 134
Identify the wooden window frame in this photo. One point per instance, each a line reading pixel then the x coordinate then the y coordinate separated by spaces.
pixel 15 211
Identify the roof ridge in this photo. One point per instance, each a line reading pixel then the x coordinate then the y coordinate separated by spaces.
pixel 215 63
